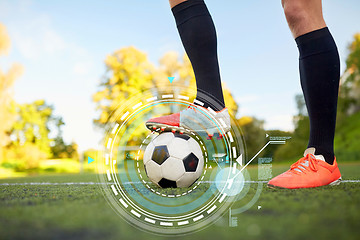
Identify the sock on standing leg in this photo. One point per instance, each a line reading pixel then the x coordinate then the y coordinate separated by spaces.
pixel 320 74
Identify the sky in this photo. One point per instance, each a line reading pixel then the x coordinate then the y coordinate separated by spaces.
pixel 62 46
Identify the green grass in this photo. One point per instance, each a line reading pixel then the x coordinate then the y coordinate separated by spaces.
pixel 81 212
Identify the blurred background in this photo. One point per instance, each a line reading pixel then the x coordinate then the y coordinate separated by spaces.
pixel 65 66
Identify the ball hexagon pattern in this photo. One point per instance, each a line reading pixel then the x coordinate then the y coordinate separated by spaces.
pixel 160 154
pixel 173 160
pixel 190 162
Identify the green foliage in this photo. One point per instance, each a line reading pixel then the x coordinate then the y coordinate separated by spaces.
pixel 25 157
pixel 59 148
pixel 349 99
pixel 62 165
pixel 347 130
pixel 271 149
pixel 7 79
pixel 62 150
pixel 30 137
pixel 94 154
pixel 32 125
pixel 130 74
pixel 295 147
pixel 348 119
pixel 254 134
pixel 25 128
pixel 347 139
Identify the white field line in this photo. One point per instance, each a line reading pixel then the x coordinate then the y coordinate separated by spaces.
pixel 97 183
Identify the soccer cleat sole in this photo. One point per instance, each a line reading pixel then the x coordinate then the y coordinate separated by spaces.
pixel 275 187
pixel 158 127
pixel 334 183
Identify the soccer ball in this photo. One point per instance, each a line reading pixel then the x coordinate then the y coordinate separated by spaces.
pixel 173 160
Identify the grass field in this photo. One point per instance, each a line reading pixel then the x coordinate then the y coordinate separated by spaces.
pixel 81 212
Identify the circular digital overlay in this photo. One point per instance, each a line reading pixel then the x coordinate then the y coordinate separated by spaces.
pixel 169 211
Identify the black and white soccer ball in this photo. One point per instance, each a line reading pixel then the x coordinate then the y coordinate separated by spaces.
pixel 173 160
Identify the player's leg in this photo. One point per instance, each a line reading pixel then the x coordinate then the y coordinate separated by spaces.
pixel 319 75
pixel 303 16
pixel 198 35
pixel 319 71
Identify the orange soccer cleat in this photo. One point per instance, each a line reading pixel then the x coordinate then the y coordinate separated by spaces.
pixel 308 172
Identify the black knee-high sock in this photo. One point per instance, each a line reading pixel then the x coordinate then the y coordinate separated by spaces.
pixel 319 75
pixel 198 35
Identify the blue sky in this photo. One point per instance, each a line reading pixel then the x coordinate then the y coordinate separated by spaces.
pixel 62 46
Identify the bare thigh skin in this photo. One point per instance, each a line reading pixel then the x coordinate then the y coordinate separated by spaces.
pixel 173 3
pixel 303 16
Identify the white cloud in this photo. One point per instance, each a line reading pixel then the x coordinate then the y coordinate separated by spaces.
pixel 52 42
pixel 37 37
pixel 82 68
pixel 8 8
pixel 54 62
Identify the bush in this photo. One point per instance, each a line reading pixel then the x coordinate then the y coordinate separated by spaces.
pixel 24 158
pixel 347 139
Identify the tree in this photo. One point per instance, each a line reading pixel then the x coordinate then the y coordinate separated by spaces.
pixel 59 148
pixel 25 128
pixel 30 136
pixel 171 66
pixel 7 80
pixel 347 127
pixel 349 99
pixel 254 134
pixel 130 73
pixel 348 118
pixel 4 40
pixel 299 138
pixel 33 125
pixel 62 150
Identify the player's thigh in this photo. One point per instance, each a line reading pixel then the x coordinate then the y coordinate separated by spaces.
pixel 311 8
pixel 173 3
pixel 303 16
